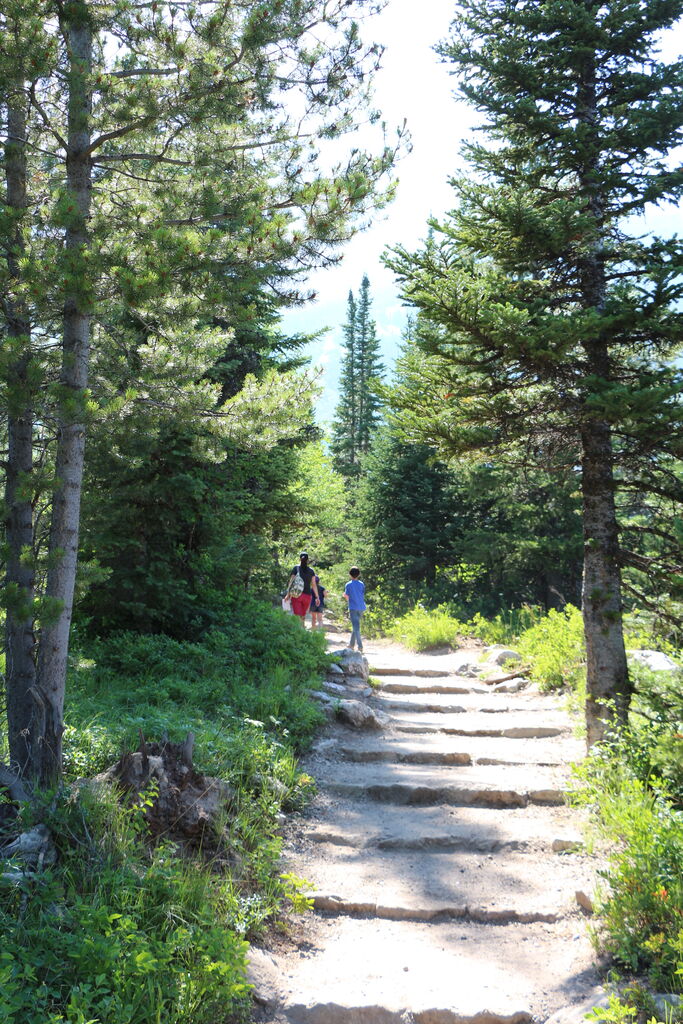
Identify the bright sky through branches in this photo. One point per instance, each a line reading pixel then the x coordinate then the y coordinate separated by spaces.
pixel 415 85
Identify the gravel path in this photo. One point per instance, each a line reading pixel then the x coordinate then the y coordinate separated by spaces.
pixel 443 860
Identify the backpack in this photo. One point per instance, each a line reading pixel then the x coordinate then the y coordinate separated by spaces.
pixel 296 587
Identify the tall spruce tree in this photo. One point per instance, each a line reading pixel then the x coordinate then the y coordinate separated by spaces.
pixel 370 369
pixel 344 442
pixel 358 412
pixel 550 326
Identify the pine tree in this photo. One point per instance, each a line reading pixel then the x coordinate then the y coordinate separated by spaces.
pixel 551 329
pixel 344 441
pixel 370 370
pixel 358 412
pixel 166 179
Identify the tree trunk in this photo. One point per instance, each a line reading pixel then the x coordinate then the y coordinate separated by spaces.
pixel 608 688
pixel 20 672
pixel 608 691
pixel 63 545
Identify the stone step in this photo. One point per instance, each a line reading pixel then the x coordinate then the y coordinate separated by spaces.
pixel 441 748
pixel 414 673
pixel 393 683
pixel 486 702
pixel 507 724
pixel 434 828
pixel 391 972
pixel 407 886
pixel 416 784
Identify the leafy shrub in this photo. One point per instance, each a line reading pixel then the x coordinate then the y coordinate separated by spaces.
pixel 421 629
pixel 118 933
pixel 555 649
pixel 505 627
pixel 652 745
pixel 259 667
pixel 642 907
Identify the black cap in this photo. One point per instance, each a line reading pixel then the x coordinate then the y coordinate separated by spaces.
pixel 304 554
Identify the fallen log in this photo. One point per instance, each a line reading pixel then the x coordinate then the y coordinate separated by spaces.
pixel 503 679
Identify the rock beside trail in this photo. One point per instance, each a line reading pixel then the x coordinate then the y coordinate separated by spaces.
pixel 353 663
pixel 656 661
pixel 31 851
pixel 360 716
pixel 470 670
pixel 264 974
pixel 577 1012
pixel 513 686
pixel 499 655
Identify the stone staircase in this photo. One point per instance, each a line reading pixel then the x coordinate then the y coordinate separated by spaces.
pixel 444 861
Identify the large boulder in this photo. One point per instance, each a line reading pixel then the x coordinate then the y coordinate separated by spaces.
pixel 656 661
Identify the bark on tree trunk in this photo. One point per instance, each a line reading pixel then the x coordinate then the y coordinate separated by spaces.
pixel 607 685
pixel 63 545
pixel 608 688
pixel 20 671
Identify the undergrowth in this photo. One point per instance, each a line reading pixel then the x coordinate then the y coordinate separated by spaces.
pixel 123 931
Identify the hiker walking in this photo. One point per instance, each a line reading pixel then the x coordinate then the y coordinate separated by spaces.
pixel 318 606
pixel 354 592
pixel 302 584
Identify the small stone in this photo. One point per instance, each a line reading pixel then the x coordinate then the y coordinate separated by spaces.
pixel 577 1013
pixel 565 845
pixel 668 1006
pixel 514 686
pixel 335 670
pixel 499 655
pixel 584 901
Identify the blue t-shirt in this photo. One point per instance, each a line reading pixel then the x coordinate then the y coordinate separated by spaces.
pixel 356 591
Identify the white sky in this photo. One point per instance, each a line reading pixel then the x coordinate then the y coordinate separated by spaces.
pixel 413 84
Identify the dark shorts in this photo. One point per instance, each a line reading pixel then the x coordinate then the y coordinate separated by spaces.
pixel 317 606
pixel 300 604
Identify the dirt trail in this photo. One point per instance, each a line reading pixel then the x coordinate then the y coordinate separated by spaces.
pixel 444 861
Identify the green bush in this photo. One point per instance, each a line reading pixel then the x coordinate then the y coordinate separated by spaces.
pixel 118 933
pixel 555 649
pixel 641 907
pixel 421 629
pixel 505 627
pixel 259 667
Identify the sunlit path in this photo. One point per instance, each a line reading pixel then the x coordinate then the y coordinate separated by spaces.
pixel 444 861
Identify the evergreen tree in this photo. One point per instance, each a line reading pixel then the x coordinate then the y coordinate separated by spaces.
pixel 163 178
pixel 370 370
pixel 344 440
pixel 486 537
pixel 551 329
pixel 358 412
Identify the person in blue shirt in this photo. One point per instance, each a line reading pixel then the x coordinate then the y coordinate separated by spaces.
pixel 354 592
